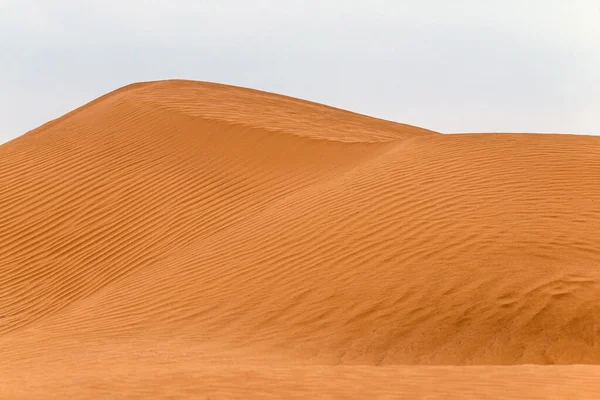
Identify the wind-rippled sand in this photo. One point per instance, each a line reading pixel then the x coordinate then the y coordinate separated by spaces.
pixel 181 239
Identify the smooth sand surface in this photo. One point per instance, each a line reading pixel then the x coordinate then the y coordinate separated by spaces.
pixel 183 239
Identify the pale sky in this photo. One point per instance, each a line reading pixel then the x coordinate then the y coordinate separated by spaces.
pixel 451 66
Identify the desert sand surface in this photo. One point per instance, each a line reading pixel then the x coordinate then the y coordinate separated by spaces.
pixel 180 239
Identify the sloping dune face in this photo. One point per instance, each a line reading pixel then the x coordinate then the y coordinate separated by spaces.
pixel 186 223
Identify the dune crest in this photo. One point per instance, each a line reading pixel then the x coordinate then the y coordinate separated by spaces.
pixel 182 224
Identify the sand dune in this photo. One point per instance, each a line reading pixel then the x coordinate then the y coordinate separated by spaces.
pixel 182 238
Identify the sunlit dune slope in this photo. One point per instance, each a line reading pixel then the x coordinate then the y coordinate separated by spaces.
pixel 219 218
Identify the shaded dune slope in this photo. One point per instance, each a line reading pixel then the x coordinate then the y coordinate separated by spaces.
pixel 238 219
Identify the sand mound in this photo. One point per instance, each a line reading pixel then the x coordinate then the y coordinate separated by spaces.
pixel 168 227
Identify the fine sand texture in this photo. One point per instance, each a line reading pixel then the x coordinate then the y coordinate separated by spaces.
pixel 182 239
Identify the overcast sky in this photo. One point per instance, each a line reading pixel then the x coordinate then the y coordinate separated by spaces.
pixel 452 66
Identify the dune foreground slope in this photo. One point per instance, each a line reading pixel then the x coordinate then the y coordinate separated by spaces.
pixel 187 239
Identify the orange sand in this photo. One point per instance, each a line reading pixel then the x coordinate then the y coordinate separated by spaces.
pixel 185 239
